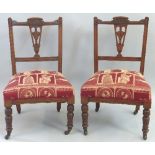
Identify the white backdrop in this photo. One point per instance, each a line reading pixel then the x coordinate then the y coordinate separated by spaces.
pixel 41 122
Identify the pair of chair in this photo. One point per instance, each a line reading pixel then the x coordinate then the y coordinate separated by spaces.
pixel 108 86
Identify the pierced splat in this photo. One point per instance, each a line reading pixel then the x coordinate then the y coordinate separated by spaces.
pixel 120 27
pixel 35 26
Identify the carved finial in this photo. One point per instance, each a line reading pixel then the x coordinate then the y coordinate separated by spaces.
pixel 120 26
pixel 35 25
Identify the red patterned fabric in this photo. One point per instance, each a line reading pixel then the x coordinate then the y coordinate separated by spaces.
pixel 38 84
pixel 117 84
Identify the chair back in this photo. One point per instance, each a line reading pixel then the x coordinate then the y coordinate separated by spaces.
pixel 35 26
pixel 120 25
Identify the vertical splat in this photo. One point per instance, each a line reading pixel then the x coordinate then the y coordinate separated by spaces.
pixel 120 27
pixel 35 26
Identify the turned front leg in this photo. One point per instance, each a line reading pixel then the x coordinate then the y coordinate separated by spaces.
pixel 8 119
pixel 146 119
pixel 70 115
pixel 84 109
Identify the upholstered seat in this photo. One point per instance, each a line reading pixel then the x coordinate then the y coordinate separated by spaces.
pixel 117 84
pixel 38 84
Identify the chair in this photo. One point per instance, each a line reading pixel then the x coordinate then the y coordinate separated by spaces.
pixel 37 86
pixel 117 85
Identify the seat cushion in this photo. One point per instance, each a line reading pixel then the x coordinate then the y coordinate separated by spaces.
pixel 38 84
pixel 121 85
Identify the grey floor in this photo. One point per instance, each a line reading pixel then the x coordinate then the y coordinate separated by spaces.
pixel 41 122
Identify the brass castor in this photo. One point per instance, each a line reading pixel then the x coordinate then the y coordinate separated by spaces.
pixel 85 132
pixel 145 136
pixel 67 132
pixel 7 136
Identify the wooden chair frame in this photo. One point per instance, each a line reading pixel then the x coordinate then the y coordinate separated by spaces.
pixel 35 25
pixel 120 22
